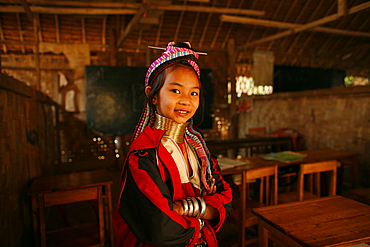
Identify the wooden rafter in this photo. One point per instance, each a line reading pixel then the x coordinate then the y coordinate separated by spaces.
pixel 179 24
pixel 2 37
pixel 326 42
pixel 284 20
pixel 83 30
pixel 132 23
pixel 342 7
pixel 289 25
pixel 158 36
pixel 297 19
pixel 68 10
pixel 57 35
pixel 27 10
pixel 333 46
pixel 274 16
pixel 39 33
pixel 36 53
pixel 252 32
pixel 205 9
pixel 204 32
pixel 87 3
pixel 20 31
pixel 295 41
pixel 219 28
pixel 307 26
pixel 127 11
pixel 232 25
pixel 195 25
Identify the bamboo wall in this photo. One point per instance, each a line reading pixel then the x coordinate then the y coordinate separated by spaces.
pixel 337 118
pixel 28 149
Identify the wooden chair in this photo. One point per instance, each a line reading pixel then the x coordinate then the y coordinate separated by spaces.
pixel 256 131
pixel 245 218
pixel 313 191
pixel 65 197
pixel 258 149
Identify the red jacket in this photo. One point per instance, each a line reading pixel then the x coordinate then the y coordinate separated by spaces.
pixel 144 216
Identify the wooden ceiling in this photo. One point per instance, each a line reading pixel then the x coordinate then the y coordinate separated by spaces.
pixel 330 34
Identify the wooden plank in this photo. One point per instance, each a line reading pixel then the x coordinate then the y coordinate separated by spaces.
pixel 32 135
pixel 14 85
pixel 70 196
pixel 209 9
pixel 36 28
pixel 68 11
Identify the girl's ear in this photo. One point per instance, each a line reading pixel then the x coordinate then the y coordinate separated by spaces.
pixel 147 89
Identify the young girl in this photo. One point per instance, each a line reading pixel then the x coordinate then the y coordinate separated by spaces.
pixel 172 193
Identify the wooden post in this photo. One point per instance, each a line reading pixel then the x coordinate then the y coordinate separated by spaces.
pixel 342 7
pixel 37 58
pixel 232 73
pixel 33 135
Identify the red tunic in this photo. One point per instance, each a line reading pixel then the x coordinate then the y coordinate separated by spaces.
pixel 150 183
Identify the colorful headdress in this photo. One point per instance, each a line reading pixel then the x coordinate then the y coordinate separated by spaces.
pixel 169 57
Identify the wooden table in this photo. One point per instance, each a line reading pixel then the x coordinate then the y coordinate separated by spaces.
pixel 68 188
pixel 327 221
pixel 349 159
pixel 221 146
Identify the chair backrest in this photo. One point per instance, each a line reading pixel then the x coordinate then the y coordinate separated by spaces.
pixel 259 130
pixel 317 168
pixel 264 174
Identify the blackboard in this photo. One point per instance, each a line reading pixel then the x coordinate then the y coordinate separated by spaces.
pixel 289 79
pixel 115 99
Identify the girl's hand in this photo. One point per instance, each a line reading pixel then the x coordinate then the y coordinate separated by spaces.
pixel 212 188
pixel 178 208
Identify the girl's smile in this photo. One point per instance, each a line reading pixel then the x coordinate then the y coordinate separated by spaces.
pixel 178 99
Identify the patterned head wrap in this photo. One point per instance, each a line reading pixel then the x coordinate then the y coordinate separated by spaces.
pixel 169 57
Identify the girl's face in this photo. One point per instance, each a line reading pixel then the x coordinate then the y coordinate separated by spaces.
pixel 178 99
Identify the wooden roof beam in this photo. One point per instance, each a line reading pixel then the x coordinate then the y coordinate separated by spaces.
pixel 132 23
pixel 68 10
pixel 179 22
pixel 122 11
pixel 27 10
pixel 305 27
pixel 288 25
pixel 342 7
pixel 213 10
